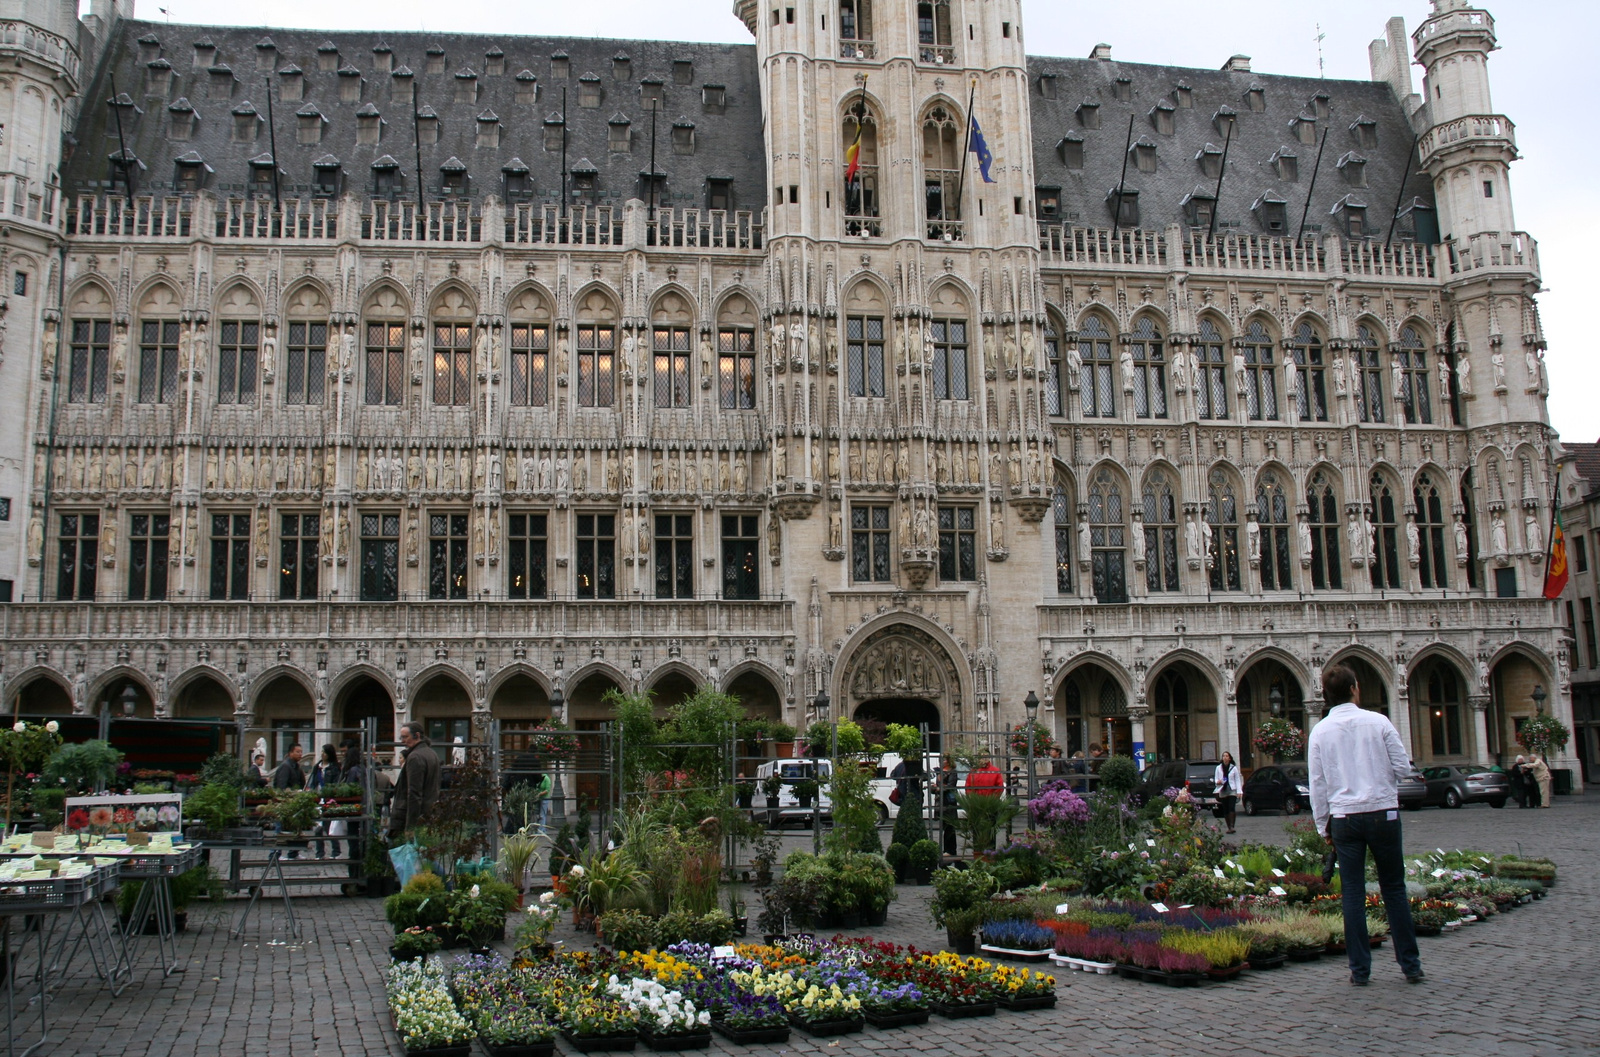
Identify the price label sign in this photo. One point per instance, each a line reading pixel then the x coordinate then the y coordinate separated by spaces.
pixel 1231 864
pixel 1160 908
pixel 1277 873
pixel 1439 872
pixel 1061 908
pixel 1149 843
pixel 722 952
pixel 1217 870
pixel 1277 890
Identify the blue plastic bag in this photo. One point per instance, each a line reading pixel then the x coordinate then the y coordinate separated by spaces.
pixel 407 862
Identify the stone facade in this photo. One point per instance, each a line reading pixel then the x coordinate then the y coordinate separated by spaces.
pixel 304 453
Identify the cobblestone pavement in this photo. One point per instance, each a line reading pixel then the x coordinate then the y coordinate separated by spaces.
pixel 1514 985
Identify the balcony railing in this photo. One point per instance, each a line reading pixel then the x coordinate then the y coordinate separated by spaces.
pixel 1232 251
pixel 400 221
pixel 857 49
pixel 1397 260
pixel 20 36
pixel 1492 130
pixel 580 225
pixel 259 218
pixel 32 200
pixel 146 217
pixel 937 54
pixel 1510 250
pixel 719 229
pixel 945 230
pixel 1061 244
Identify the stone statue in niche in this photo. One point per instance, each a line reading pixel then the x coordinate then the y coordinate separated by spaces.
pixel 1014 466
pixel 997 473
pixel 297 470
pixel 35 539
pixel 269 356
pixel 777 339
pixel 130 470
pixel 108 542
pixel 379 478
pixel 527 473
pixel 1030 350
pixel 907 540
pixel 814 346
pixel 563 475
pixel 263 533
pixel 1498 536
pixel 1075 368
pixel 797 340
pixel 1442 366
pixel 1085 542
pixel 280 473
pixel 611 471
pixel 835 530
pixel 496 350
pixel 247 470
pixel 1459 531
pixel 546 472
pixel 708 473
pixel 924 530
pixel 496 473
pixel 705 362
pixel 95 474
pixel 363 470
pixel 1533 535
pixel 780 459
pixel 629 347
pixel 412 542
pixel 447 470
pixel 1252 536
pixel 941 460
pixel 314 467
pixel 973 474
pixel 724 479
pixel 1136 540
pixel 1008 352
pixel 230 471
pixel 113 477
pixel 627 473
pixel 191 534
pixel 1341 383
pixel 644 535
pixel 563 356
pixel 1206 539
pixel 330 468
pixel 997 529
pixel 479 545
pixel 1397 378
pixel 480 469
pixel 1413 541
pixel 1371 552
pixel 347 349
pixel 658 476
pixel 493 517
pixel 1191 539
pixel 1240 383
pixel 1497 363
pixel 888 464
pixel 211 468
pixel 1303 534
pixel 414 471
pixel 854 461
pixel 1291 379
pixel 150 470
pixel 741 475
pixel 674 475
pixel 833 350
pixel 1035 467
pixel 1126 360
pixel 833 461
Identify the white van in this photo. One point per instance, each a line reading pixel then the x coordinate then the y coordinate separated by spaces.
pixel 795 769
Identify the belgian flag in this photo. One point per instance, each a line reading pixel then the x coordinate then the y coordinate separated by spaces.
pixel 852 155
pixel 1556 572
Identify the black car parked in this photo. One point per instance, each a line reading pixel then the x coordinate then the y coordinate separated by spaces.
pixel 1282 787
pixel 1197 776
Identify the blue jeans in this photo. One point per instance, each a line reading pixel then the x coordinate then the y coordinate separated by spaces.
pixel 1353 837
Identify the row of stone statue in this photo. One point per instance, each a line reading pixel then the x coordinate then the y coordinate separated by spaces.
pixel 798 344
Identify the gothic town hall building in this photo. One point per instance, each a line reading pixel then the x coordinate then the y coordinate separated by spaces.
pixel 425 375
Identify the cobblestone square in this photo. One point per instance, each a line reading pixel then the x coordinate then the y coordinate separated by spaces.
pixel 1512 985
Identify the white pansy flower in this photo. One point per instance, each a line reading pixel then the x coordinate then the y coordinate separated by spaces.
pixel 52 727
pixel 20 726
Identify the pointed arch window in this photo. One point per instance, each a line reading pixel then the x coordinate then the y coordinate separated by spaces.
pixel 1061 508
pixel 1272 518
pixel 670 347
pixel 1311 393
pixel 860 133
pixel 1149 371
pixel 1444 711
pixel 91 358
pixel 1094 346
pixel 386 353
pixel 1413 357
pixel 1172 716
pixel 1054 392
pixel 1385 564
pixel 1107 539
pixel 452 363
pixel 1222 513
pixel 855 29
pixel 1160 533
pixel 1210 376
pixel 949 358
pixel 933 32
pixel 1322 510
pixel 941 170
pixel 1368 375
pixel 1431 564
pixel 1260 377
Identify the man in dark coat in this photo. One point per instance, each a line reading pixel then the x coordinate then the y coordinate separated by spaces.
pixel 418 785
pixel 288 775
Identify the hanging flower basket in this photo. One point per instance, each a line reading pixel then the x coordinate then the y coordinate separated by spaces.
pixel 552 743
pixel 1279 738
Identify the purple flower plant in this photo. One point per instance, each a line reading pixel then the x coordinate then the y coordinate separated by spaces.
pixel 1060 807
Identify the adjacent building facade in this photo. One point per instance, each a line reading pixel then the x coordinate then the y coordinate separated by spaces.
pixel 409 375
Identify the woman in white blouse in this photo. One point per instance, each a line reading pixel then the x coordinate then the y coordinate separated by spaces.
pixel 1230 784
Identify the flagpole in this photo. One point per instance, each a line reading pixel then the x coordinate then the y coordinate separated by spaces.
pixel 1550 537
pixel 966 148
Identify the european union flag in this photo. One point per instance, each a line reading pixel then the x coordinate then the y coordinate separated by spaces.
pixel 981 149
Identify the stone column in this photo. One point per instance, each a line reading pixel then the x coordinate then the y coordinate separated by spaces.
pixel 1401 717
pixel 1480 727
pixel 1228 726
pixel 1136 717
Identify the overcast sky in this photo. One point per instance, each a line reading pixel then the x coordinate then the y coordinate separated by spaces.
pixel 1540 80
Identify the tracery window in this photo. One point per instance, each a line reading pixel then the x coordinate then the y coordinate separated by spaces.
pixel 1160 533
pixel 1432 567
pixel 1272 519
pixel 1367 375
pixel 1385 561
pixel 1061 508
pixel 949 359
pixel 1149 371
pixel 1107 539
pixel 1211 374
pixel 1095 386
pixel 1413 357
pixel 1054 392
pixel 1322 507
pixel 1311 396
pixel 861 205
pixel 1260 377
pixel 1222 513
pixel 941 171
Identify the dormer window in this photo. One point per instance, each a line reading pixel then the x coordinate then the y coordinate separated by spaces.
pixel 652 94
pixel 719 192
pixel 652 187
pixel 1350 217
pixel 1255 99
pixel 428 125
pixel 517 183
pixel 1210 159
pixel 219 79
pixel 325 176
pixel 159 78
pixel 1320 106
pixel 401 83
pixel 311 123
pixel 149 48
pixel 560 66
pixel 621 67
pixel 291 84
pixel 554 131
pixel 488 129
pixel 1286 164
pixel 1047 86
pixel 682 71
pixel 1162 118
pixel 1183 96
pixel 1048 200
pixel 1354 168
pixel 1144 154
pixel 266 55
pixel 246 122
pixel 261 172
pixel 1070 150
pixel 434 62
pixel 126 167
pixel 620 138
pixel 1198 207
pixel 1304 130
pixel 189 173
pixel 1225 121
pixel 494 62
pixel 1418 222
pixel 383 58
pixel 1124 206
pixel 527 90
pixel 386 176
pixel 683 136
pixel 590 94
pixel 349 84
pixel 369 125
pixel 1365 131
pixel 205 53
pixel 1271 212
pixel 328 56
pixel 713 98
pixel 181 118
pixel 466 86
pixel 1089 114
pixel 584 179
pixel 1122 89
pixel 453 176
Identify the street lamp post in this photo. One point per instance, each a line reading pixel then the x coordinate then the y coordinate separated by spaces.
pixel 558 809
pixel 1539 697
pixel 1030 704
pixel 820 708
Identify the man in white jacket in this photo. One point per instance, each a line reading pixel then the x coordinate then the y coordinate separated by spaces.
pixel 1357 762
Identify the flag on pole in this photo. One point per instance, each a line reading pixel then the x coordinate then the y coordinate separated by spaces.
pixel 1556 573
pixel 981 149
pixel 852 154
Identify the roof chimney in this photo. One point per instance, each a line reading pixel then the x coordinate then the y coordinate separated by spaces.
pixel 1237 64
pixel 1101 52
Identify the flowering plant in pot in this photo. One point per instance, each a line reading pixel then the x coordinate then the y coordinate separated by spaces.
pixel 1543 734
pixel 1280 738
pixel 476 917
pixel 415 942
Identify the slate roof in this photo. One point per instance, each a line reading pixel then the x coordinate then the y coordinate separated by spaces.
pixel 1585 462
pixel 1256 136
pixel 728 142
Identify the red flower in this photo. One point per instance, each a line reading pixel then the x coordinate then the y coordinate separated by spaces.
pixel 124 816
pixel 79 819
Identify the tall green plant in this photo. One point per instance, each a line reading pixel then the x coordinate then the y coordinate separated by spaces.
pixel 855 816
pixel 984 816
pixel 909 825
pixel 83 766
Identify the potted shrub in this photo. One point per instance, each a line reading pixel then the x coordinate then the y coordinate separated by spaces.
pixel 772 788
pixel 782 735
pixel 82 767
pixel 626 930
pixel 805 791
pixel 215 807
pixel 295 811
pixel 413 943
pixel 745 793
pixel 959 898
pixel 476 917
pixel 898 857
pixel 924 857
